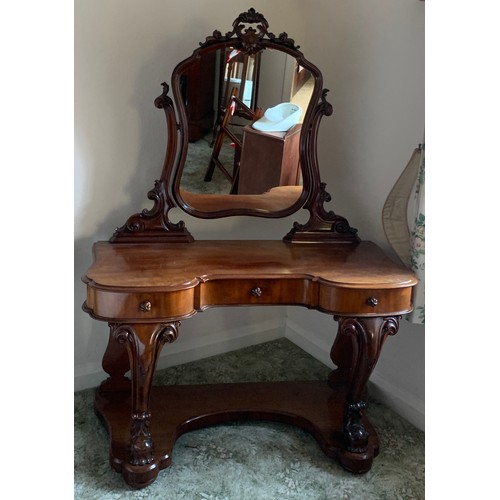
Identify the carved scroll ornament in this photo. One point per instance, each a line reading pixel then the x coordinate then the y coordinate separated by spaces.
pixel 250 38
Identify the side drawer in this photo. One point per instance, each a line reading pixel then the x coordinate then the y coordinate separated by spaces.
pixel 140 306
pixel 364 301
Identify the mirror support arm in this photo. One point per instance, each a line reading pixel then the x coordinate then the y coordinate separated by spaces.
pixel 154 225
pixel 322 226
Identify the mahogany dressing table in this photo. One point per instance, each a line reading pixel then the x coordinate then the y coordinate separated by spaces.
pixel 152 274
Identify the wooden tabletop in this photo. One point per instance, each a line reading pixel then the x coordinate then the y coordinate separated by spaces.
pixel 174 266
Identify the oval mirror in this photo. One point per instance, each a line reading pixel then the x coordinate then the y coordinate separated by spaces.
pixel 242 120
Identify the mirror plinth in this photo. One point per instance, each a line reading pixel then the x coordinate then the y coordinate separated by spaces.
pixel 322 226
pixel 153 226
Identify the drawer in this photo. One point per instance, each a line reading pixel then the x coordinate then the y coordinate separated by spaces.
pixel 364 301
pixel 140 306
pixel 257 291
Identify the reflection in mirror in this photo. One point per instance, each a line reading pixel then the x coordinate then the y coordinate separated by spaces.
pixel 225 92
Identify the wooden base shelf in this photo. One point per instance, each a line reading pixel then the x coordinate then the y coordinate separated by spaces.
pixel 313 406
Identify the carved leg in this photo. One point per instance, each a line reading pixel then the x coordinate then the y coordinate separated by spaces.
pixel 355 352
pixel 143 342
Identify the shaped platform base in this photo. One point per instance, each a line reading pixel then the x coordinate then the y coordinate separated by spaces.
pixel 313 406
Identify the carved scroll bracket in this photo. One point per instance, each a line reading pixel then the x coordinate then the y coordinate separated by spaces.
pixel 322 226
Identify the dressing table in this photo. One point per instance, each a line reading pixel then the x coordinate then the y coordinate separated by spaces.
pixel 152 274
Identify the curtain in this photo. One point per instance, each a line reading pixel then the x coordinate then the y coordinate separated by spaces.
pixel 403 218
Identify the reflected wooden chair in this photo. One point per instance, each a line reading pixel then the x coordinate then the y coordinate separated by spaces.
pixel 241 68
pixel 238 70
pixel 235 106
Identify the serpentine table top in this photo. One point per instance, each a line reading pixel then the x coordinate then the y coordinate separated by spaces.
pixel 332 278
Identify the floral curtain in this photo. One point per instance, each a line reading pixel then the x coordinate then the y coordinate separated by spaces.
pixel 403 218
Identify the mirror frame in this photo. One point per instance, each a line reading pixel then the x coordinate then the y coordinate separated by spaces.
pixel 249 41
pixel 249 34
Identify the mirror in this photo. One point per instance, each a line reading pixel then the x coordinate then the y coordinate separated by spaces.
pixel 236 158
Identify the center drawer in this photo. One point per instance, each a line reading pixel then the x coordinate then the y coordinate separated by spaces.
pixel 258 291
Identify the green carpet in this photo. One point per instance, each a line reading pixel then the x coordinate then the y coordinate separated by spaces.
pixel 195 168
pixel 253 461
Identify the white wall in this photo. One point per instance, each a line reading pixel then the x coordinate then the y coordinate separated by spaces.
pixel 371 56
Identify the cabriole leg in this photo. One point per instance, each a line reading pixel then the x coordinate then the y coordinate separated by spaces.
pixel 143 343
pixel 355 352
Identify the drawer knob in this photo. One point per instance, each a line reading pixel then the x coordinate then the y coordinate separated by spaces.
pixel 372 301
pixel 145 306
pixel 256 292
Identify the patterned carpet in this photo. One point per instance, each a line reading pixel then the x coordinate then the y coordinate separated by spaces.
pixel 197 161
pixel 253 461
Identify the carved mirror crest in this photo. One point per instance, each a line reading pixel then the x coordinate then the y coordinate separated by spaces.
pixel 241 138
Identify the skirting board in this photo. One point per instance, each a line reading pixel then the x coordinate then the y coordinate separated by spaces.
pixel 90 375
pixel 399 400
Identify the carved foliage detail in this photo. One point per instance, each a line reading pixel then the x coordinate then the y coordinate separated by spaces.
pixel 355 434
pixel 250 37
pixel 141 444
pixel 169 333
pixel 123 333
pixel 164 333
